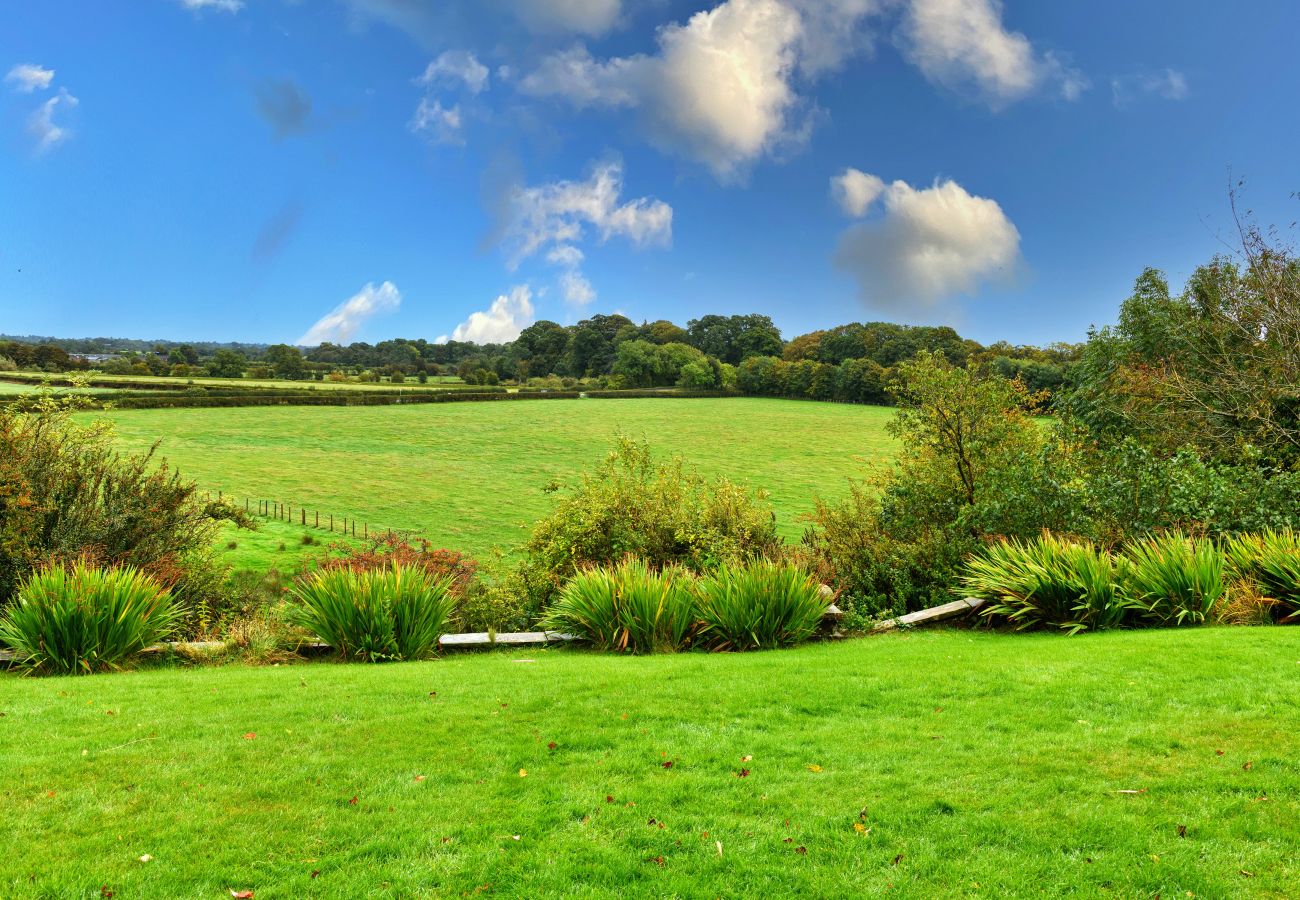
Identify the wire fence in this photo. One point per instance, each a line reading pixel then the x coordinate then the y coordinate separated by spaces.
pixel 282 511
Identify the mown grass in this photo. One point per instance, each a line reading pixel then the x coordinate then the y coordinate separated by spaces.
pixel 942 764
pixel 275 545
pixel 471 475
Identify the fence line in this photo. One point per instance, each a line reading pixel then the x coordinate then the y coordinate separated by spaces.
pixel 288 512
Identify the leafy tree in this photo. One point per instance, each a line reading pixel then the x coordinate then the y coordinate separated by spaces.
pixel 732 339
pixel 286 361
pixel 228 364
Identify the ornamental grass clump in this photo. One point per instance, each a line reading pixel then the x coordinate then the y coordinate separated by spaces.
pixel 1174 579
pixel 1271 560
pixel 628 607
pixel 1048 582
pixel 374 616
pixel 81 619
pixel 762 605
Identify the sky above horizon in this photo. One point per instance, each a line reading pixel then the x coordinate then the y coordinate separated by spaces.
pixel 307 170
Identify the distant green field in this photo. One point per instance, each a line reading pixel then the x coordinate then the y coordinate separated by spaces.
pixel 148 380
pixel 470 475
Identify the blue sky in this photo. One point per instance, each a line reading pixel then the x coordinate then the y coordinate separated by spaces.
pixel 270 170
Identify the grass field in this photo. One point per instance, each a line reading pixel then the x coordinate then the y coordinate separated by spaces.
pixel 939 764
pixel 470 475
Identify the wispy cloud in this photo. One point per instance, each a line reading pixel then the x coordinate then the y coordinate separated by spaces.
pixel 29 77
pixel 338 325
pixel 1166 84
pixel 456 67
pixel 227 6
pixel 41 125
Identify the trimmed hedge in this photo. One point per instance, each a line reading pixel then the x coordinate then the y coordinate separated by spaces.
pixel 321 398
pixel 652 392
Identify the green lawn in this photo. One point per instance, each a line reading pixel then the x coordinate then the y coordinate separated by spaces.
pixel 470 475
pixel 1127 764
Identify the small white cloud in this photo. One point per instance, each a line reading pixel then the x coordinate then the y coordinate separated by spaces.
pixel 589 17
pixel 855 191
pixel 963 44
pixel 41 125
pixel 230 6
pixel 342 322
pixel 456 67
pixel 560 212
pixel 438 123
pixel 29 77
pixel 576 288
pixel 565 255
pixel 1167 84
pixel 931 244
pixel 508 315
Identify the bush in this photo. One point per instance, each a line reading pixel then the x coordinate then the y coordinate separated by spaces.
pixel 1173 579
pixel 659 512
pixel 81 619
pixel 386 614
pixel 1048 582
pixel 626 607
pixel 1270 560
pixel 390 550
pixel 759 606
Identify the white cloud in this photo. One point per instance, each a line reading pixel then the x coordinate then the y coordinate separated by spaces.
pixel 929 245
pixel 718 90
pixel 962 44
pixel 1167 84
pixel 508 315
pixel 576 288
pixel 855 191
pixel 29 77
pixel 565 255
pixel 456 67
pixel 589 17
pixel 559 214
pixel 342 322
pixel 230 6
pixel 437 123
pixel 41 125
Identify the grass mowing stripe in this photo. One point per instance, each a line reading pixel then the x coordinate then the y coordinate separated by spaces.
pixel 975 764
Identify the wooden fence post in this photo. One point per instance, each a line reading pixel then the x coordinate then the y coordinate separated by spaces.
pixel 318 518
pixel 331 523
pixel 304 516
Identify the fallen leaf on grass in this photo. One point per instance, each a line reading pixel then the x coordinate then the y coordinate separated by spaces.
pixel 657 860
pixel 718 844
pixel 146 858
pixel 746 758
pixel 897 859
pixel 1246 874
pixel 1182 831
pixel 523 773
pixel 105 891
pixel 251 736
pixel 801 850
pixel 241 895
pixel 814 768
pixel 353 801
pixel 743 773
pixel 1248 766
pixel 420 777
pixel 860 828
pixel 1219 752
pixel 787 840
pixel 1131 793
pixel 552 745
pixel 516 837
pixel 609 798
pixel 315 873
pixel 667 765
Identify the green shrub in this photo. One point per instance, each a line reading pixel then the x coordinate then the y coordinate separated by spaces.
pixel 626 607
pixel 1175 579
pixel 384 614
pixel 80 619
pixel 1048 582
pixel 660 512
pixel 1271 561
pixel 758 606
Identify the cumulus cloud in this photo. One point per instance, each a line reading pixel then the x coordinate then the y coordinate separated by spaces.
pixel 230 6
pixel 338 325
pixel 855 191
pixel 576 288
pixel 1167 84
pixel 285 106
pixel 508 315
pixel 41 125
pixel 441 125
pixel 929 244
pixel 963 44
pixel 560 213
pixel 29 77
pixel 718 90
pixel 589 17
pixel 456 67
